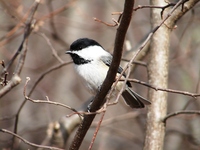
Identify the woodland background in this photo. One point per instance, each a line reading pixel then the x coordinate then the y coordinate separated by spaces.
pixel 57 24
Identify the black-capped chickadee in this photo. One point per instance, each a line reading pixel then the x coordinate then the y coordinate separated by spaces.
pixel 92 63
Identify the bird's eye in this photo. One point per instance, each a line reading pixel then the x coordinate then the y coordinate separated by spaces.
pixel 80 47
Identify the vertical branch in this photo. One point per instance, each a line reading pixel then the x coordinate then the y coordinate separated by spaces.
pixel 28 29
pixel 99 98
pixel 158 76
pixel 23 46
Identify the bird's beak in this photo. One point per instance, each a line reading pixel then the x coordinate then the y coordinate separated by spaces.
pixel 68 52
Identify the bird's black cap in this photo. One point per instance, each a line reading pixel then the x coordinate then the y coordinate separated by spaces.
pixel 83 43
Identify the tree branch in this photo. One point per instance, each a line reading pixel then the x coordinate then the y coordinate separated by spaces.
pixel 27 142
pixel 194 95
pixel 32 89
pixel 188 112
pixel 99 98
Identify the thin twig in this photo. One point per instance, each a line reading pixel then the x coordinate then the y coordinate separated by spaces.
pixel 32 89
pixel 54 52
pixel 45 101
pixel 15 80
pixel 59 10
pixel 107 24
pixel 119 118
pixel 30 23
pixel 137 62
pixel 158 7
pixel 187 112
pixel 149 37
pixel 194 95
pixel 27 142
pixel 12 33
pixel 81 113
pixel 54 68
pixel 116 22
pixel 96 131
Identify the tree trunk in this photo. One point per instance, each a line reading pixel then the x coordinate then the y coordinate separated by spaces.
pixel 158 76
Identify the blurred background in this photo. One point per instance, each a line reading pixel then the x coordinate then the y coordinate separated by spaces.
pixel 60 23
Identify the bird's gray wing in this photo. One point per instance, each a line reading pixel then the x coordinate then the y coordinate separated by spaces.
pixel 107 60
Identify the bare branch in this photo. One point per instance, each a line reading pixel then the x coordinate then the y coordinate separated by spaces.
pixel 15 80
pixel 159 7
pixel 194 95
pixel 30 23
pixel 23 49
pixel 45 101
pixel 54 68
pixel 100 97
pixel 96 131
pixel 27 142
pixel 50 15
pixel 108 24
pixel 32 89
pixel 52 48
pixel 137 62
pixel 187 112
pixel 123 117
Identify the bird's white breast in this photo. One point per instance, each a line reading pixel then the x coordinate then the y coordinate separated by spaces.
pixel 93 73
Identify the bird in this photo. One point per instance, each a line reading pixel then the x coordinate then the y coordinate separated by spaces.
pixel 92 62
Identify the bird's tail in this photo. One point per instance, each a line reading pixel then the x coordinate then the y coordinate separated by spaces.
pixel 133 99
